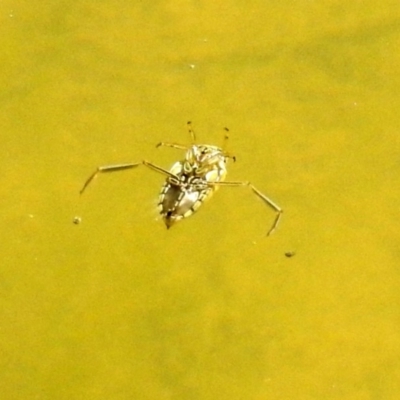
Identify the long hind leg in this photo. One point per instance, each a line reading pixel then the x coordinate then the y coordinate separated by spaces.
pixel 262 196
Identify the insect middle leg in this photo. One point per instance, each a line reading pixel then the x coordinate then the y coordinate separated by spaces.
pixel 122 167
pixel 262 196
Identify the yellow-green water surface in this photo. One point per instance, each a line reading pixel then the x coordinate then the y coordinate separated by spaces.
pixel 117 307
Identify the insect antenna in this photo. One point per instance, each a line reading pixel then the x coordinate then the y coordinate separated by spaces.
pixel 191 131
pixel 224 144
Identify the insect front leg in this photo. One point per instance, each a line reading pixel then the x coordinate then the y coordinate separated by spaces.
pixel 122 167
pixel 261 195
pixel 177 145
pixel 174 145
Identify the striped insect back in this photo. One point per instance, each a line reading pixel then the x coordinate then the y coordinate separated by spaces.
pixel 190 182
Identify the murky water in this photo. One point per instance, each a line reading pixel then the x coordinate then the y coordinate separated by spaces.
pixel 118 307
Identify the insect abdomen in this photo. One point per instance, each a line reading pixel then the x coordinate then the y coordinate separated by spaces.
pixel 176 203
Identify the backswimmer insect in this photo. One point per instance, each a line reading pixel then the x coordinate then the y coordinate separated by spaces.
pixel 190 182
